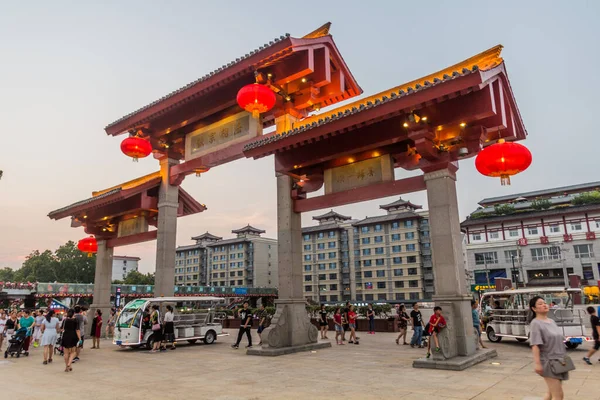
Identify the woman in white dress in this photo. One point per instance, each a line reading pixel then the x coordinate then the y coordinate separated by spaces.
pixel 37 331
pixel 49 335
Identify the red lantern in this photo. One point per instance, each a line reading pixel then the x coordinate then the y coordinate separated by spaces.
pixel 88 245
pixel 503 159
pixel 256 99
pixel 136 147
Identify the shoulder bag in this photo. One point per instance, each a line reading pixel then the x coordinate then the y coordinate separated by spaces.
pixel 156 325
pixel 562 366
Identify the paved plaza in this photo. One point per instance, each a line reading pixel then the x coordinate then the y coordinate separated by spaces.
pixel 375 369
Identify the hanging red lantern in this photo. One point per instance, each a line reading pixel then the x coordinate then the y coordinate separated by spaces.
pixel 256 99
pixel 88 245
pixel 136 147
pixel 503 159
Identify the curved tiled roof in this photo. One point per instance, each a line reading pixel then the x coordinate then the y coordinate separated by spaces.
pixel 484 61
pixel 248 228
pixel 204 78
pixel 400 203
pixel 330 214
pixel 207 235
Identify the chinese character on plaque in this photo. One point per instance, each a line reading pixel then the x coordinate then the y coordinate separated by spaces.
pixel 522 242
pixel 568 237
pixel 590 235
pixel 211 137
pixel 544 240
pixel 224 133
pixel 237 128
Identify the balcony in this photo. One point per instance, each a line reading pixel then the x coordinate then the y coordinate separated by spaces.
pixel 346 270
pixel 427 264
pixel 346 281
pixel 426 252
pixel 428 276
pixel 429 289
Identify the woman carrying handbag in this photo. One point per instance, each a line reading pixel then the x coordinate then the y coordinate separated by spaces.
pixel 157 335
pixel 549 354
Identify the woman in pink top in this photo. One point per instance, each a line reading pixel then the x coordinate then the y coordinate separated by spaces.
pixel 339 327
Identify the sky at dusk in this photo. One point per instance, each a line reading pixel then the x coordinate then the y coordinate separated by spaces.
pixel 69 68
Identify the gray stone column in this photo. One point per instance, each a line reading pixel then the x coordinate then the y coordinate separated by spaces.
pixel 168 204
pixel 102 286
pixel 291 330
pixel 457 341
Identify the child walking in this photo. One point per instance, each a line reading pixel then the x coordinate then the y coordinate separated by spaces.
pixel 339 326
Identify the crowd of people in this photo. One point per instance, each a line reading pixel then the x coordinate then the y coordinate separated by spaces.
pixel 63 333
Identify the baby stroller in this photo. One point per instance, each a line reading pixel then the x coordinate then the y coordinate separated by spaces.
pixel 15 344
pixel 58 348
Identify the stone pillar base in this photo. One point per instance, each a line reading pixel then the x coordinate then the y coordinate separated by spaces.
pixel 291 331
pixel 457 363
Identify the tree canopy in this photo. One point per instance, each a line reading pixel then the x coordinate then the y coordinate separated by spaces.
pixel 137 278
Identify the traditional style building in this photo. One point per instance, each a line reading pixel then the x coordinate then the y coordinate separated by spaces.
pixel 383 258
pixel 122 265
pixel 537 238
pixel 248 260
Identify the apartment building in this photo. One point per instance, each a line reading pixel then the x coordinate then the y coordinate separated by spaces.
pixel 122 265
pixel 248 260
pixel 381 258
pixel 538 238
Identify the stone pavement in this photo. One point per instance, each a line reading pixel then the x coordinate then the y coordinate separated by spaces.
pixel 375 369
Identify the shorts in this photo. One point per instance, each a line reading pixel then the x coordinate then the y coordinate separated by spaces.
pixel 477 330
pixel 352 326
pixel 260 329
pixel 322 324
pixel 596 344
pixel 339 328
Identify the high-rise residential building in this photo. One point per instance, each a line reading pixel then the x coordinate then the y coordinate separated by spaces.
pixel 536 238
pixel 385 258
pixel 122 265
pixel 248 260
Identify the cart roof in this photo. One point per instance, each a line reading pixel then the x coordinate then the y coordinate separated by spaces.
pixel 184 298
pixel 557 289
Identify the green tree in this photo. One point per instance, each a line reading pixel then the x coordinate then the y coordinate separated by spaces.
pixel 7 275
pixel 137 278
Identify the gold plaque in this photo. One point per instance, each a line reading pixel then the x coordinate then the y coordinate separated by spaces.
pixel 132 227
pixel 359 174
pixel 234 129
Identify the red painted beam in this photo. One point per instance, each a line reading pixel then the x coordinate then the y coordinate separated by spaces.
pixel 132 239
pixel 402 186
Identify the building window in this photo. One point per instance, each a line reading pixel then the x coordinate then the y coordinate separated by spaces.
pixel 368 285
pixel 322 277
pixel 426 245
pixel 368 274
pixel 333 287
pixel 476 236
pixel 554 228
pixel 584 251
pixel 411 259
pixel 381 273
pixel 306 238
pixel 307 257
pixel 331 245
pixel 409 235
pixel 494 235
pixel 366 240
pixel 509 254
pixel 395 225
pixel 332 276
pixel 321 246
pixel 398 284
pixel 368 297
pixel 331 234
pixel 332 255
pixel 413 284
pixel 320 235
pixel 414 296
pixel 307 247
pixel 545 253
pixel 367 263
pixel 598 224
pixel 357 252
pixel 378 228
pixel 408 224
pixel 366 252
pixel 308 288
pixel 332 265
pixel 231 283
pixel 321 256
pixel 397 260
pixel 400 296
pixel 307 268
pixel 379 250
pixel 307 278
pixel 395 237
pixel 322 267
pixel 240 264
pixel 380 285
pixel 396 249
pixel 378 239
pixel 490 257
pixel 411 247
pixel 576 226
pixel 364 229
pixel 513 232
pixel 380 261
pixel 241 282
pixel 588 271
pixel 412 271
pixel 398 272
pixel 333 297
pixel 532 230
pixel 232 274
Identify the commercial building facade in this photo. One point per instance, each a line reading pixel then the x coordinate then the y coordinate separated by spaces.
pixel 248 260
pixel 383 258
pixel 537 238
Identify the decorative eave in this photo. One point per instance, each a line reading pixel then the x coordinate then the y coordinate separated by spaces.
pixel 208 236
pixel 248 229
pixel 331 214
pixel 400 203
pixel 276 50
pixel 387 218
pixel 471 74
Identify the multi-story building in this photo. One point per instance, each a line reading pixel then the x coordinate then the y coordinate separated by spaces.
pixel 385 258
pixel 537 238
pixel 248 260
pixel 122 265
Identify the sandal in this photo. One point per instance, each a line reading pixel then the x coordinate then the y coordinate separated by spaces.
pixel 45 362
pixel 398 341
pixel 49 360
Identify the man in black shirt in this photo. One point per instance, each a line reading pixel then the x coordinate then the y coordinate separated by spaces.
pixel 417 322
pixel 345 320
pixel 245 324
pixel 595 321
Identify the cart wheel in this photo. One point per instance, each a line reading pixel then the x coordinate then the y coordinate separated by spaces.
pixel 19 355
pixel 210 337
pixel 571 346
pixel 492 335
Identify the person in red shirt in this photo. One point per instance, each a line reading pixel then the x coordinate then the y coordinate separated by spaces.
pixel 352 325
pixel 339 327
pixel 436 324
